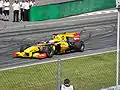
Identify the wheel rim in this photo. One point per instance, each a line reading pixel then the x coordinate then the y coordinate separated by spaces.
pixel 51 53
pixel 82 47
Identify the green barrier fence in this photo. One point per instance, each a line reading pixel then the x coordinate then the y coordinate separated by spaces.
pixel 56 11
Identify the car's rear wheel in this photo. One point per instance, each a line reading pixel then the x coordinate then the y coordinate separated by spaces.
pixel 80 46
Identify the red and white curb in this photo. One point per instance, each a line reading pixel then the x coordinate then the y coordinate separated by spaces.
pixel 97 13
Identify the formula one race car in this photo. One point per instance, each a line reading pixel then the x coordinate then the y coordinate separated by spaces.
pixel 58 44
pixel 67 42
pixel 41 50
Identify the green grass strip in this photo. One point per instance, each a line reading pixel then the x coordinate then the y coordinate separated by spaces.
pixel 86 73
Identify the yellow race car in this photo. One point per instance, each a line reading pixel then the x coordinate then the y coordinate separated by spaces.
pixel 58 44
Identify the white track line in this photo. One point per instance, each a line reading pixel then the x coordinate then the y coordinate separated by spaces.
pixel 54 60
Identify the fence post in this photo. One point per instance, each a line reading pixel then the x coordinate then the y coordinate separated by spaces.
pixel 118 43
pixel 59 74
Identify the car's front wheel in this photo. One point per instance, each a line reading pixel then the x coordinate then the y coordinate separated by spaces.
pixel 49 51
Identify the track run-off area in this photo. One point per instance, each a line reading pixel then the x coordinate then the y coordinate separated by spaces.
pixel 98 32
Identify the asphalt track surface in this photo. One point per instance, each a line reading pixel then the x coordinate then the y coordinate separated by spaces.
pixel 98 32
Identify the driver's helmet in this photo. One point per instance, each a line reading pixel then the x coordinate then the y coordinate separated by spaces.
pixel 51 42
pixel 41 42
